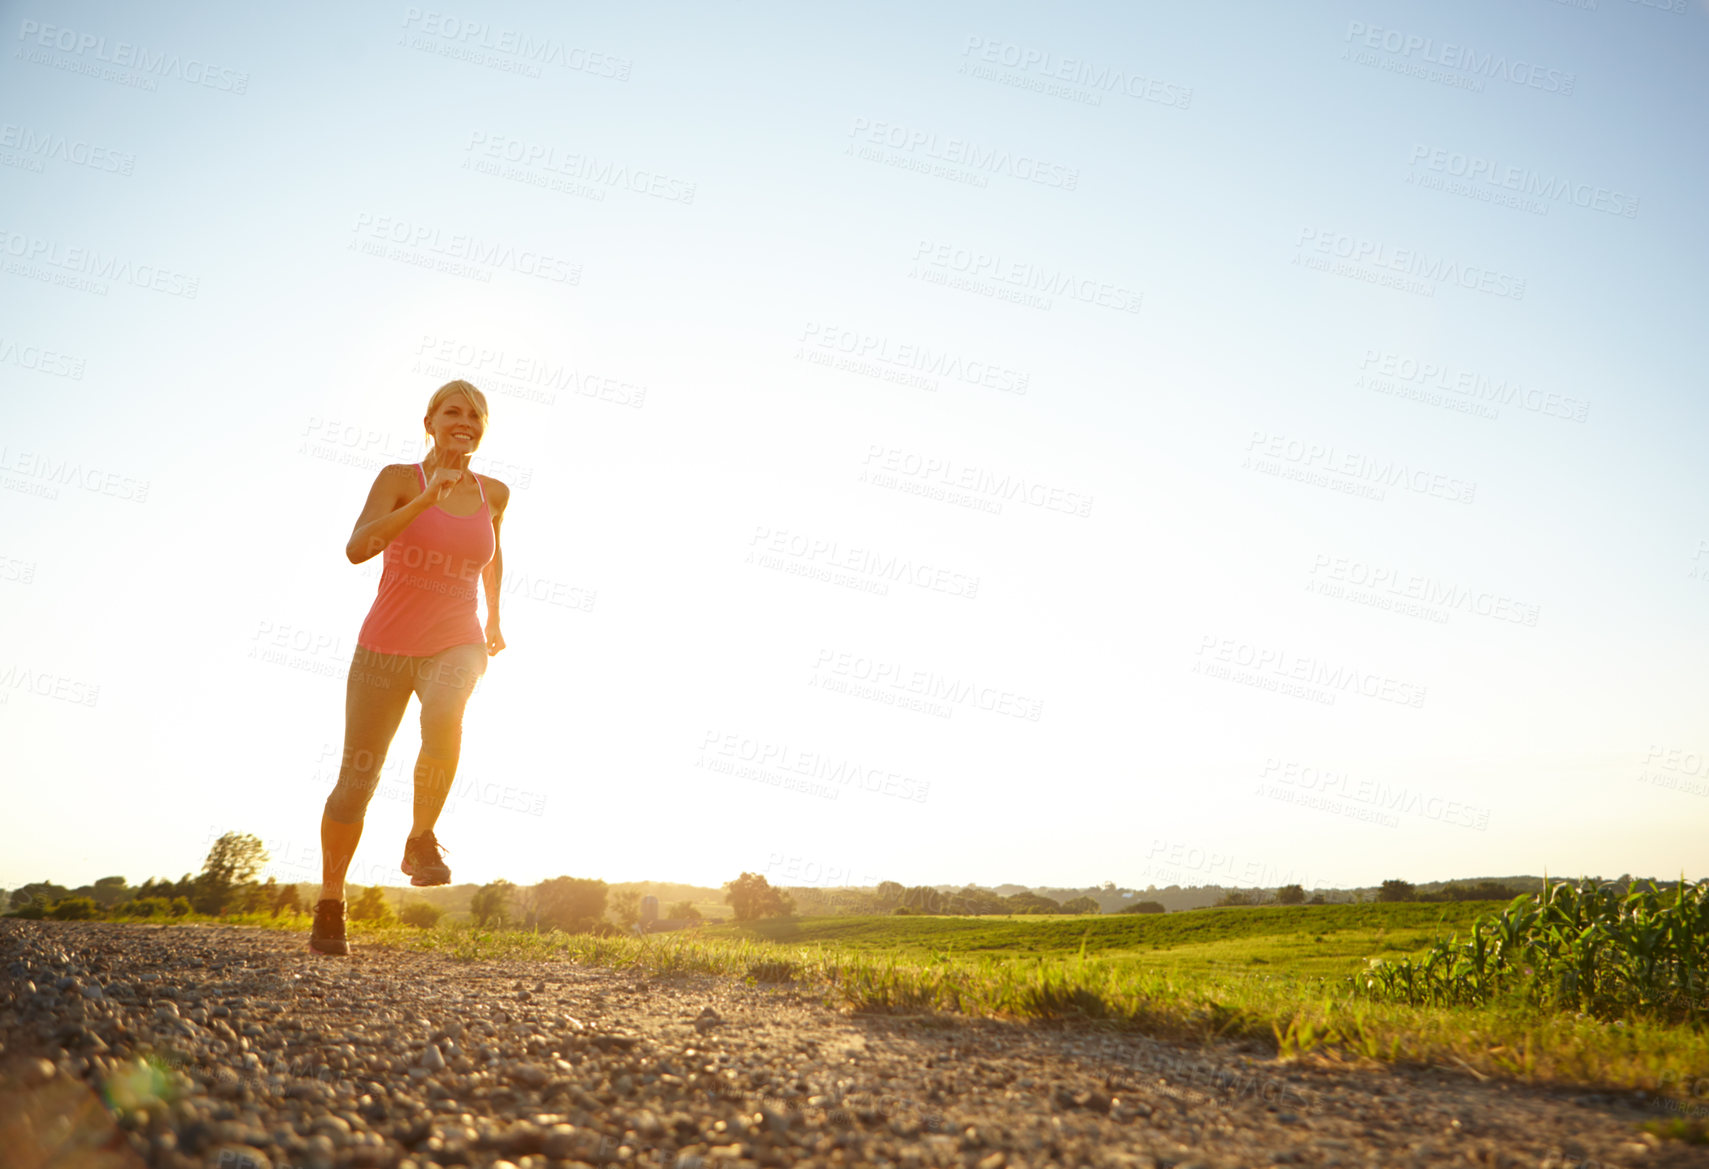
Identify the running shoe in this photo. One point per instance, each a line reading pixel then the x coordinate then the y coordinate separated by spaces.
pixel 422 860
pixel 327 936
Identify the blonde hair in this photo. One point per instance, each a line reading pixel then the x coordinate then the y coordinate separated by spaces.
pixel 476 398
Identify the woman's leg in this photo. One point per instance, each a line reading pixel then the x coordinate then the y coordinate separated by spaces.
pixel 444 683
pixel 376 694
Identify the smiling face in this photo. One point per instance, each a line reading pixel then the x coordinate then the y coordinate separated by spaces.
pixel 455 426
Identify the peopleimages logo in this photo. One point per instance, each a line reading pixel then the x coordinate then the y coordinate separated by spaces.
pixel 961 152
pixel 1408 261
pixel 1353 466
pixel 459 246
pixel 1461 60
pixel 125 55
pixel 1075 71
pixel 46 145
pixel 459 37
pixel 1275 662
pixel 1034 278
pixel 1519 180
pixel 1468 383
pixel 86 268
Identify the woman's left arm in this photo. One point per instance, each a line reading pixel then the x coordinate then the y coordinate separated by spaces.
pixel 493 574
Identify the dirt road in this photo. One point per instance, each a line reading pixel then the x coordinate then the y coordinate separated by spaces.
pixel 265 1056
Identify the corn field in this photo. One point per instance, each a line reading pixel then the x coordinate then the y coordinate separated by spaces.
pixel 1583 947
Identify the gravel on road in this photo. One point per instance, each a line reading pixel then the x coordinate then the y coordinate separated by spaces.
pixel 214 1047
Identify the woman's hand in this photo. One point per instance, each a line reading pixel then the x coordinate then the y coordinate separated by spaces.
pixel 495 639
pixel 442 483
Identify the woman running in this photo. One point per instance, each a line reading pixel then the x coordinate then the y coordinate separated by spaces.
pixel 438 523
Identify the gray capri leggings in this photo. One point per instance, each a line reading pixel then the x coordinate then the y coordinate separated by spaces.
pixel 376 694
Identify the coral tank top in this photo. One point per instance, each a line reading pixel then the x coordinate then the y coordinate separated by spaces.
pixel 426 601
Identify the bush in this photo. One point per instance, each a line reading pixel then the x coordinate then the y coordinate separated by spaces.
pixel 683 911
pixel 143 907
pixel 491 903
pixel 753 897
pixel 179 906
pixel 1397 890
pixel 421 913
pixel 571 904
pixel 372 907
pixel 76 909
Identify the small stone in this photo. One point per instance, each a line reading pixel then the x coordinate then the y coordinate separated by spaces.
pixel 565 1142
pixel 1094 1100
pixel 238 1157
pixel 433 1059
pixel 42 1070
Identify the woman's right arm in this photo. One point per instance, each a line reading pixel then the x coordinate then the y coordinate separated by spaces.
pixel 393 503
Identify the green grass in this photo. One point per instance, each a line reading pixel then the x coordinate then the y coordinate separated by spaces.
pixel 1270 976
pixel 1309 941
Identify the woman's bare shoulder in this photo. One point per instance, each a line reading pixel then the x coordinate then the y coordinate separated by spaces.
pixel 497 490
pixel 398 478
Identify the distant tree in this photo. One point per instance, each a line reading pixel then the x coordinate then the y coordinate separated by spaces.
pixel 889 893
pixel 752 897
pixel 421 913
pixel 251 897
pixel 1478 891
pixel 1237 897
pixel 974 900
pixel 683 911
pixel 924 899
pixel 1024 902
pixel 234 860
pixel 109 891
pixel 372 907
pixel 624 907
pixel 490 905
pixel 1142 907
pixel 571 904
pixel 75 909
pixel 1396 890
pixel 287 901
pixel 1317 899
pixel 1290 895
pixel 1081 905
pixel 46 893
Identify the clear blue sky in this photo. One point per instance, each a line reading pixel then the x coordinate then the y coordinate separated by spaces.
pixel 1371 545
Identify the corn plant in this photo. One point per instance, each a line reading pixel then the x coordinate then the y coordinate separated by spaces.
pixel 1586 947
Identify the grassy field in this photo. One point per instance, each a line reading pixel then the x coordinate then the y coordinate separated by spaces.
pixel 1315 941
pixel 1272 977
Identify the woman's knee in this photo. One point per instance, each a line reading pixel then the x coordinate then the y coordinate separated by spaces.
pixel 348 803
pixel 441 727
